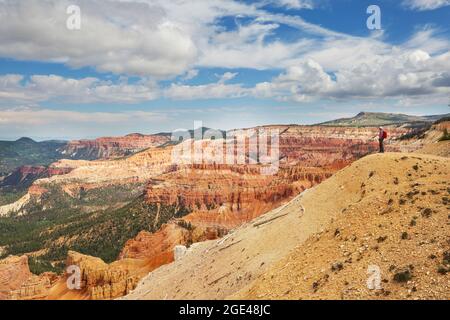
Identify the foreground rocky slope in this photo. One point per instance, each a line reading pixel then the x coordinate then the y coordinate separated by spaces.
pixel 387 210
pixel 400 226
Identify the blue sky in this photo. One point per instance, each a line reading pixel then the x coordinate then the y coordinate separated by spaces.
pixel 152 65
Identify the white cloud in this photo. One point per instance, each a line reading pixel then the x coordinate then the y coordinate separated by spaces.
pixel 423 5
pixel 191 74
pixel 344 68
pixel 158 39
pixel 246 47
pixel 124 38
pixel 217 90
pixel 41 117
pixel 298 83
pixel 39 88
pixel 227 76
pixel 295 4
pixel 428 40
pixel 413 74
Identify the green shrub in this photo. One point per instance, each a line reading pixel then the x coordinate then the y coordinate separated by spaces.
pixel 403 276
pixel 446 136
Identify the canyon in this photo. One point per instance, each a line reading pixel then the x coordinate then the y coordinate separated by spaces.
pixel 187 203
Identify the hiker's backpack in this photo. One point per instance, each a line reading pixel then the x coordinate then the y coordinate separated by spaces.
pixel 385 135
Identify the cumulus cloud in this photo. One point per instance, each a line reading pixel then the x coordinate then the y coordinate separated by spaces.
pixel 423 5
pixel 298 83
pixel 156 38
pixel 397 75
pixel 124 38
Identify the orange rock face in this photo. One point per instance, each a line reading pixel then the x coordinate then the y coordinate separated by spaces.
pixel 158 246
pixel 24 176
pixel 18 283
pixel 139 167
pixel 14 272
pixel 101 281
pixel 35 287
pixel 230 195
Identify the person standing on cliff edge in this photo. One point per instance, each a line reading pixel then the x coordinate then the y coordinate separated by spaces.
pixel 381 137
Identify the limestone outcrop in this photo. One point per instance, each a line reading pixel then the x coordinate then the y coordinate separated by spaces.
pixel 14 272
pixel 102 281
pixel 18 283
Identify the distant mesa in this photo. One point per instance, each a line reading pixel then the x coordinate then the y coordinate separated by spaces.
pixel 135 135
pixel 25 140
pixel 374 119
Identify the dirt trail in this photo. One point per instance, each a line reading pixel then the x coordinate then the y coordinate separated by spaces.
pixel 437 148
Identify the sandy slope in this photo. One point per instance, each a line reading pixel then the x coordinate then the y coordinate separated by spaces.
pixel 290 257
pixel 397 226
pixel 437 148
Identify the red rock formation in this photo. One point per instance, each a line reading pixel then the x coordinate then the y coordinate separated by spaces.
pixel 319 146
pixel 36 191
pixel 139 167
pixel 24 176
pixel 112 147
